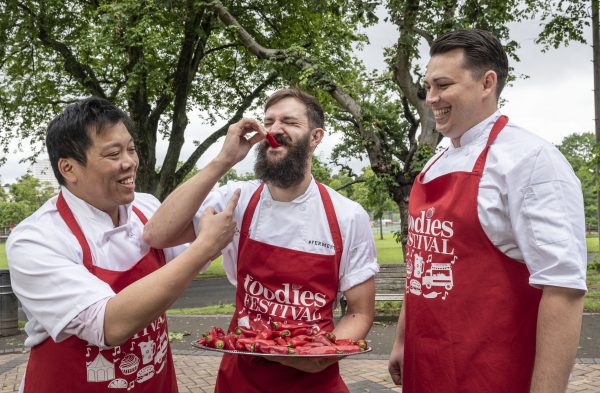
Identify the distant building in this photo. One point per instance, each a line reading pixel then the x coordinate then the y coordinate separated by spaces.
pixel 42 170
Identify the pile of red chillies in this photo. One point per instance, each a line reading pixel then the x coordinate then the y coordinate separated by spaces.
pixel 282 339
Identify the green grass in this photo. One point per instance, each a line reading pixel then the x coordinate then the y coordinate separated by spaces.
pixel 208 310
pixel 592 244
pixel 3 261
pixel 388 251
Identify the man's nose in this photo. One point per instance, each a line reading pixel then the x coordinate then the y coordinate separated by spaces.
pixel 129 161
pixel 276 128
pixel 432 96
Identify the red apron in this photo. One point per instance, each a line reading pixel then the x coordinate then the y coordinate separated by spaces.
pixel 280 284
pixel 141 364
pixel 470 313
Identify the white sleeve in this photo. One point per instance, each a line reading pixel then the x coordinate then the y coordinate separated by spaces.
pixel 88 325
pixel 359 261
pixel 48 276
pixel 547 217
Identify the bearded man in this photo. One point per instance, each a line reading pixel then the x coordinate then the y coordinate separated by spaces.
pixel 298 247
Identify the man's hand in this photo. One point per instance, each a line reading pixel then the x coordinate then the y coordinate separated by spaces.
pixel 237 144
pixel 397 355
pixel 217 229
pixel 395 363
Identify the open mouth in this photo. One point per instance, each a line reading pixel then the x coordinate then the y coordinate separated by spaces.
pixel 441 112
pixel 127 181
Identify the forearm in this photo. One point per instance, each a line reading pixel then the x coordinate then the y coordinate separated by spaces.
pixel 140 303
pixel 167 226
pixel 558 329
pixel 354 325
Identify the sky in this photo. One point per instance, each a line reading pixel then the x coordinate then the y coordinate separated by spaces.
pixel 555 100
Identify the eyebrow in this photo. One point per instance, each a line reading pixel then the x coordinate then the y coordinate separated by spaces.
pixel 113 145
pixel 285 118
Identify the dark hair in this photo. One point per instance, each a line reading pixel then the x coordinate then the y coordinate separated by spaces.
pixel 68 135
pixel 483 52
pixel 314 111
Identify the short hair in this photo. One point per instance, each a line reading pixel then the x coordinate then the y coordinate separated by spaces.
pixel 483 52
pixel 314 111
pixel 68 135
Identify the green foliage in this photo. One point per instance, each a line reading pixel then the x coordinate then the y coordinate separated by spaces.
pixel 232 175
pixel 3 259
pixel 578 149
pixel 161 60
pixel 25 196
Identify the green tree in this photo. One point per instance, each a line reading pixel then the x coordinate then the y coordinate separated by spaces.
pixel 25 197
pixel 160 60
pixel 30 190
pixel 578 149
pixel 384 116
pixel 232 175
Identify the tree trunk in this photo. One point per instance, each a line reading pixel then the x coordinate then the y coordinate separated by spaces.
pixel 596 60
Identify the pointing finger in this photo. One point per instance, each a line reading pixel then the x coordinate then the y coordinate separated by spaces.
pixel 233 201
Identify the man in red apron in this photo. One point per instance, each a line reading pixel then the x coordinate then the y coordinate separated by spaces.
pixel 93 291
pixel 495 258
pixel 300 244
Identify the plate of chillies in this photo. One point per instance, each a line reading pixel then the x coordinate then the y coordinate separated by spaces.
pixel 280 339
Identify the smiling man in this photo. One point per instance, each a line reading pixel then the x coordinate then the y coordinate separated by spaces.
pixel 497 309
pixel 299 244
pixel 94 292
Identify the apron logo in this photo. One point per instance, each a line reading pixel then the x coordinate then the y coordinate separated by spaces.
pixel 429 236
pixel 288 302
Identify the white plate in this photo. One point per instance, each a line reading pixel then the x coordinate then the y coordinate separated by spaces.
pixel 331 355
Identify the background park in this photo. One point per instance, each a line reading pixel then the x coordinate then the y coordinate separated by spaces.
pixel 187 70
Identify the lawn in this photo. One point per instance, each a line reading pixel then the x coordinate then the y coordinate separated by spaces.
pixel 3 262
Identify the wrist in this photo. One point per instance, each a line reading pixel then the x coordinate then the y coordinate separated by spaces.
pixel 223 163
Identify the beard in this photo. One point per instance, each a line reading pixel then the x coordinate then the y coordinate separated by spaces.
pixel 287 171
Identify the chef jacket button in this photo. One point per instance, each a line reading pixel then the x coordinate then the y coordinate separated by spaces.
pixel 267 203
pixel 303 208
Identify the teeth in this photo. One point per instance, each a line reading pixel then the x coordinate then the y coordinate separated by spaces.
pixel 441 112
pixel 129 180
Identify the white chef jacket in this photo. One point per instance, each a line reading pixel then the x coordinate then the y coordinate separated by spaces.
pixel 301 225
pixel 59 296
pixel 530 202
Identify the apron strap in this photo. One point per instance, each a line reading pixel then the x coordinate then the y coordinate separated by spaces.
pixel 332 220
pixel 158 252
pixel 67 215
pixel 498 126
pixel 249 213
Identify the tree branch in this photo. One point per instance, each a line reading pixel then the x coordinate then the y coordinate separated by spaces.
pixel 81 72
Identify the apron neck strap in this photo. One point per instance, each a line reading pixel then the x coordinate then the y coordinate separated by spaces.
pixel 498 126
pixel 67 215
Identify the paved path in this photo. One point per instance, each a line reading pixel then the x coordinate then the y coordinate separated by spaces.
pixel 197 370
pixel 197 373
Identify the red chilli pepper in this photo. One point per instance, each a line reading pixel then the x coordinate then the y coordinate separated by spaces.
pixel 296 342
pixel 316 350
pixel 247 332
pixel 272 141
pixel 219 344
pixel 280 341
pixel 265 333
pixel 277 349
pixel 362 344
pixel 281 333
pixel 344 341
pixel 347 348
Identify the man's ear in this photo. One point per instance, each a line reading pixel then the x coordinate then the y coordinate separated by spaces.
pixel 490 82
pixel 316 136
pixel 66 167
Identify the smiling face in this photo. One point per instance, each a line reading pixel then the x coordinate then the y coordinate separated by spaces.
pixel 107 180
pixel 459 99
